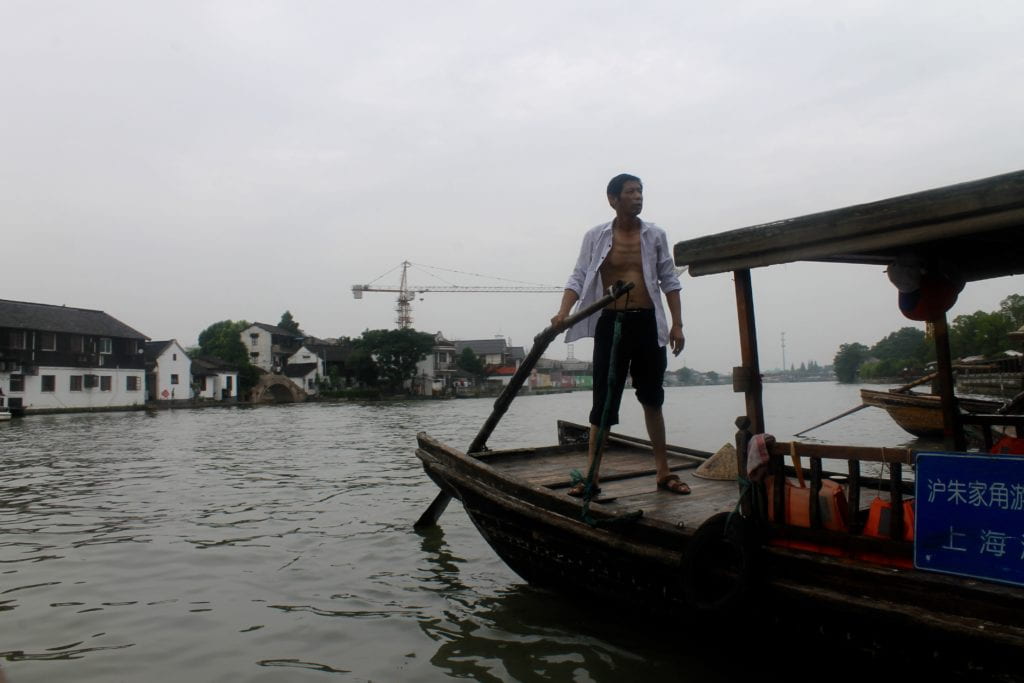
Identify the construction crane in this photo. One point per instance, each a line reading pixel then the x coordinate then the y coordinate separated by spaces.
pixel 407 293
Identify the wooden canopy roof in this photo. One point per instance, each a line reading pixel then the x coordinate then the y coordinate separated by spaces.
pixel 977 226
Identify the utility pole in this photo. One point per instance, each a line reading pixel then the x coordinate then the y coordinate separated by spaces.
pixel 783 352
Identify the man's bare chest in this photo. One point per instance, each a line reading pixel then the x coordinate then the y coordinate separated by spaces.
pixel 624 254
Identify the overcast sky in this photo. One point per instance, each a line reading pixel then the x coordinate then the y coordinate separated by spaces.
pixel 180 163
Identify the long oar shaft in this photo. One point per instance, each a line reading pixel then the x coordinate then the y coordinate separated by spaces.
pixel 862 406
pixel 897 390
pixel 540 344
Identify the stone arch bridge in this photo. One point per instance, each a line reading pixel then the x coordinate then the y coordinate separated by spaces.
pixel 277 389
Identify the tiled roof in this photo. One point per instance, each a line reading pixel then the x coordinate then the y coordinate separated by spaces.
pixel 482 347
pixel 209 365
pixel 330 351
pixel 22 315
pixel 155 348
pixel 274 329
pixel 299 369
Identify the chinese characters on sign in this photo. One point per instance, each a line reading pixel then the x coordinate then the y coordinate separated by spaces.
pixel 970 515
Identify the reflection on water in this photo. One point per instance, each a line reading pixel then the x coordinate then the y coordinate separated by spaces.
pixel 276 544
pixel 524 634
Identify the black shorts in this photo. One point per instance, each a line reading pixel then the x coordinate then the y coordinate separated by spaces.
pixel 639 353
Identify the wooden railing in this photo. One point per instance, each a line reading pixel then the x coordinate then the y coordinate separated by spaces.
pixel 894 458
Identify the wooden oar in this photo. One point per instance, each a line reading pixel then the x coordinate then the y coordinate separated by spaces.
pixel 862 406
pixel 540 344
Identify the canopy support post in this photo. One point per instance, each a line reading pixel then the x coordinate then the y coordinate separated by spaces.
pixel 747 378
pixel 952 430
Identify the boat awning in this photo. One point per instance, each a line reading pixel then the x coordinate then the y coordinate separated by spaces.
pixel 977 225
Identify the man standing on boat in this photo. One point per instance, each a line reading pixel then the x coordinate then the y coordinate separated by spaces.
pixel 627 249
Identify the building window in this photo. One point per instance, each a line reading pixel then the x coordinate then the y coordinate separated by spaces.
pixel 48 383
pixel 227 382
pixel 105 383
pixel 76 343
pixel 311 383
pixel 76 382
pixel 174 379
pixel 17 339
pixel 255 339
pixel 91 381
pixel 131 383
pixel 105 345
pixel 17 382
pixel 47 341
pixel 254 355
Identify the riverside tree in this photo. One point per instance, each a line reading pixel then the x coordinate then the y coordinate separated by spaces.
pixel 848 360
pixel 1013 308
pixel 974 334
pixel 223 340
pixel 980 334
pixel 395 353
pixel 901 352
pixel 470 362
pixel 289 323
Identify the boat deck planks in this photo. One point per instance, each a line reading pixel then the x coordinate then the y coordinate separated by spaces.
pixel 553 469
pixel 628 483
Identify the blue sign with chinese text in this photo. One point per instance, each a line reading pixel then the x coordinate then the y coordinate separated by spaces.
pixel 969 515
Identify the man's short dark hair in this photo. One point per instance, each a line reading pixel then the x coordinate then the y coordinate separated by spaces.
pixel 616 184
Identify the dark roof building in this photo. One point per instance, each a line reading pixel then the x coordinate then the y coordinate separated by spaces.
pixel 22 315
pixel 210 365
pixel 274 329
pixel 482 347
pixel 299 369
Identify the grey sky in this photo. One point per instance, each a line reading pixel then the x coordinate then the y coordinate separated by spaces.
pixel 179 163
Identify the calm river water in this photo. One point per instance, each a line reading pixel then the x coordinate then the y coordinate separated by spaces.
pixel 276 544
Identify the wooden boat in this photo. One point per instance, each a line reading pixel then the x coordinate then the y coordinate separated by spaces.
pixel 768 556
pixel 921 414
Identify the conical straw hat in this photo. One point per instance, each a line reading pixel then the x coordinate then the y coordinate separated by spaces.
pixel 721 465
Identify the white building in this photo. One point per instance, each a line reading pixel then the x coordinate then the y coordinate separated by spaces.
pixel 214 380
pixel 269 346
pixel 435 373
pixel 60 358
pixel 305 368
pixel 168 371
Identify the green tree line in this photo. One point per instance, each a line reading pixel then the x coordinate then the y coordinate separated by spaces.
pixel 907 351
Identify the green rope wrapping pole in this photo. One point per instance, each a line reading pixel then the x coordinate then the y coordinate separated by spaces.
pixel 588 489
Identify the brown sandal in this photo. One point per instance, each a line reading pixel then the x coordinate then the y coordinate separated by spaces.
pixel 673 484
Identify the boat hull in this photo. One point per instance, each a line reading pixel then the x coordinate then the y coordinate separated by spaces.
pixel 566 556
pixel 920 414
